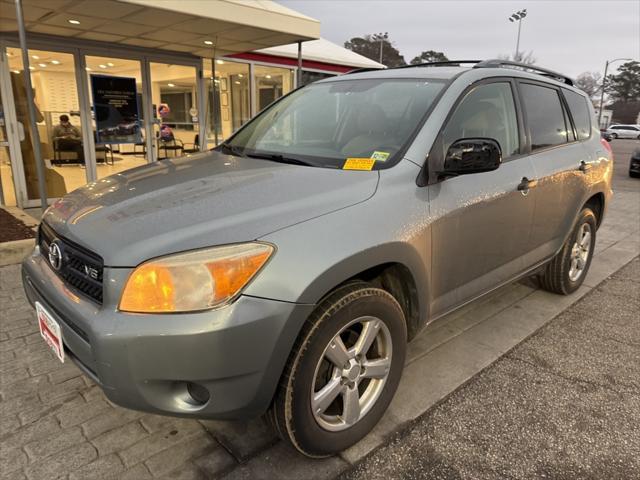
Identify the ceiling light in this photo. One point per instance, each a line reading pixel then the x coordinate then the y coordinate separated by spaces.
pixel 16 71
pixel 171 84
pixel 55 62
pixel 208 42
pixel 31 67
pixel 74 22
pixel 240 75
pixel 237 82
pixel 88 69
pixel 102 65
pixel 35 57
pixel 109 64
pixel 43 65
pixel 219 62
pixel 268 76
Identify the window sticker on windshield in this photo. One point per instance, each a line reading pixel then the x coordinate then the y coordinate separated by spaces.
pixel 380 156
pixel 359 164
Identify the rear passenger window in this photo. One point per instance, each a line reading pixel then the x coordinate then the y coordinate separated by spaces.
pixel 580 113
pixel 488 111
pixel 545 116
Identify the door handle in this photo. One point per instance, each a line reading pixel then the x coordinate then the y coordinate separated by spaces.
pixel 525 185
pixel 584 166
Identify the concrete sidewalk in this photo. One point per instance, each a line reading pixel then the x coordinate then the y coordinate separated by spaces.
pixel 54 422
pixel 563 404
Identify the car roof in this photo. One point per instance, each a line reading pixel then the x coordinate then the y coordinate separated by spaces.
pixel 451 69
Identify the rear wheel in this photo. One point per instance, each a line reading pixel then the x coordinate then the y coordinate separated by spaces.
pixel 566 271
pixel 343 372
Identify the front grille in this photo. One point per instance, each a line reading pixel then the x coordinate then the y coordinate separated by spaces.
pixel 80 268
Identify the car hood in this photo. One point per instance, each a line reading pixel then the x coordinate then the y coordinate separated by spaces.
pixel 199 201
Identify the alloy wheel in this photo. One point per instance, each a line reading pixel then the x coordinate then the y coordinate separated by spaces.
pixel 580 252
pixel 351 374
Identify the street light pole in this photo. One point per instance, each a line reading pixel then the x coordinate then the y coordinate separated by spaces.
pixel 382 39
pixel 604 83
pixel 518 16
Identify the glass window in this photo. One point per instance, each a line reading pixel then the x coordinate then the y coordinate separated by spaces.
pixel 232 98
pixel 545 116
pixel 271 84
pixel 116 157
pixel 175 105
pixel 57 119
pixel 580 113
pixel 487 111
pixel 325 123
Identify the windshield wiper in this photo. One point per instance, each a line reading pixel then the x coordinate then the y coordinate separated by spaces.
pixel 231 149
pixel 276 157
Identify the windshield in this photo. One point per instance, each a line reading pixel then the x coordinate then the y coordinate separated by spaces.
pixel 325 124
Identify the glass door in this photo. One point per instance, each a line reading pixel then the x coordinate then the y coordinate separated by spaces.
pixel 175 104
pixel 7 185
pixel 58 122
pixel 124 145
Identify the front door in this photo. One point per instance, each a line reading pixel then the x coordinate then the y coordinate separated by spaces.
pixel 482 221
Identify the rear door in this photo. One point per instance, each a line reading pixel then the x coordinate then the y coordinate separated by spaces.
pixel 561 164
pixel 483 221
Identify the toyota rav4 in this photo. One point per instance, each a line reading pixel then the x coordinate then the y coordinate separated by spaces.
pixel 284 271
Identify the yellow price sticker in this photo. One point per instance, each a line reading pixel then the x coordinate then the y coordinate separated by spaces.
pixel 359 164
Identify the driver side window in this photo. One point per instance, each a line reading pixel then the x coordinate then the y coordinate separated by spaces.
pixel 487 111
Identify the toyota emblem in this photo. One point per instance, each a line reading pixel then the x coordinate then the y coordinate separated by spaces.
pixel 55 255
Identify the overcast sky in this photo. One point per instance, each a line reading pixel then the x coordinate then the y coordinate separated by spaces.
pixel 564 35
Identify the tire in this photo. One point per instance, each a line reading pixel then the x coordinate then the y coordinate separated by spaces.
pixel 320 429
pixel 561 275
pixel 614 136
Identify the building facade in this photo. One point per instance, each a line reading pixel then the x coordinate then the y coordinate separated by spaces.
pixel 176 80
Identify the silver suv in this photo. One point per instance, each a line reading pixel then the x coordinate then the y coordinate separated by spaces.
pixel 286 270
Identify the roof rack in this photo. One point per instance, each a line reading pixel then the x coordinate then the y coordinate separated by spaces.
pixel 493 63
pixel 497 63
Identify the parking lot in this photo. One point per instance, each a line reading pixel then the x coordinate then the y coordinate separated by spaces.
pixel 56 424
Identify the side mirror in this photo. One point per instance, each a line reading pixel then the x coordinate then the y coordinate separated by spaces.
pixel 472 155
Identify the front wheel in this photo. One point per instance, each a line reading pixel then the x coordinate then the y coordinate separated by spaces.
pixel 614 135
pixel 343 371
pixel 566 271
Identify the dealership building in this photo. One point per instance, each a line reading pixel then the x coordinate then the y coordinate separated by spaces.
pixel 142 80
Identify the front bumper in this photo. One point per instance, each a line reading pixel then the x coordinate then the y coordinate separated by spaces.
pixel 634 166
pixel 145 362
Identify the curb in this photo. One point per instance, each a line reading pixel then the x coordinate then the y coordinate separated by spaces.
pixel 13 252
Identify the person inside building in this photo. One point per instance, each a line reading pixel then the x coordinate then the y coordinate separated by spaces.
pixel 67 138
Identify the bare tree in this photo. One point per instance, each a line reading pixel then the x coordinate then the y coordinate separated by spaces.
pixel 522 57
pixel 590 83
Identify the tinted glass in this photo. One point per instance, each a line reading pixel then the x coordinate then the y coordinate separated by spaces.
pixel 487 111
pixel 544 115
pixel 325 123
pixel 580 113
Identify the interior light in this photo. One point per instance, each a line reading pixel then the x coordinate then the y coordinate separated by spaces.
pixel 16 71
pixel 35 57
pixel 171 84
pixel 208 42
pixel 88 69
pixel 109 64
pixel 240 75
pixel 74 22
pixel 102 65
pixel 268 76
pixel 219 62
pixel 237 82
pixel 43 65
pixel 55 62
pixel 31 67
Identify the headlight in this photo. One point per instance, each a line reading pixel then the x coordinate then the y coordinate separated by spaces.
pixel 191 281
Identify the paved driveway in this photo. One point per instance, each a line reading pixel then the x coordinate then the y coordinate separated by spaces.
pixel 56 423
